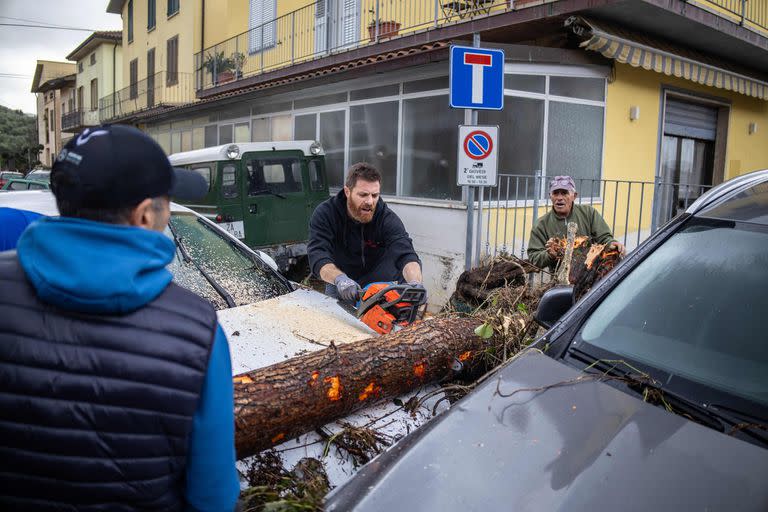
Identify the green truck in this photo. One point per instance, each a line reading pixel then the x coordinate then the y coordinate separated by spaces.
pixel 263 193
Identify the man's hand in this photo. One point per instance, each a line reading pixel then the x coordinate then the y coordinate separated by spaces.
pixel 348 289
pixel 552 247
pixel 619 247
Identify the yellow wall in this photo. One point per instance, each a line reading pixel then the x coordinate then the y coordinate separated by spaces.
pixel 185 23
pixel 102 71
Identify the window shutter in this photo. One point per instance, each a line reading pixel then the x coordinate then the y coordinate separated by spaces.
pixel 349 23
pixel 261 22
pixel 321 32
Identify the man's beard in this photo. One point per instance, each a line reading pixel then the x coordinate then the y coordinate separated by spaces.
pixel 360 215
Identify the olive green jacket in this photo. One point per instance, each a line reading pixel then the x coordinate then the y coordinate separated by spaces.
pixel 590 223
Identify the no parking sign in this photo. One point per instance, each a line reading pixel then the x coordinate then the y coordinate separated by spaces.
pixel 478 155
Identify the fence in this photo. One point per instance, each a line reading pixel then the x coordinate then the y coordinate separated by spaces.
pixel 632 209
pixel 161 89
pixel 747 12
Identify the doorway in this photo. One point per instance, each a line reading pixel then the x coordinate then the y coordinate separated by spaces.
pixel 337 24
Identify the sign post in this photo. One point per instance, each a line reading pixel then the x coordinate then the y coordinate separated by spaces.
pixel 476 83
pixel 478 155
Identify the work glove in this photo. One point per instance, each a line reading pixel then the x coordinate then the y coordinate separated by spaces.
pixel 348 289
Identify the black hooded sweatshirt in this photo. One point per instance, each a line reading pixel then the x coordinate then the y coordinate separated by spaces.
pixel 368 253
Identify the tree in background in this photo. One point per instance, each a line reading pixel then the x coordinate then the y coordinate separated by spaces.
pixel 19 147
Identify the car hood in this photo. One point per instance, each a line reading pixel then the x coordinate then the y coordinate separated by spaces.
pixel 274 330
pixel 562 441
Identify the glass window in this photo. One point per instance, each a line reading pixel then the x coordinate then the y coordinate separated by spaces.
pixel 273 175
pixel 36 186
pixel 198 138
pixel 375 92
pixel 186 140
pixel 242 132
pixel 173 7
pixel 164 139
pixel 175 142
pixel 151 14
pixel 430 130
pixel 332 128
pixel 676 310
pixel 305 127
pixel 244 277
pixel 130 21
pixel 284 106
pixel 576 87
pixel 225 134
pixel 429 84
pixel 316 175
pixel 205 172
pixel 260 130
pixel 281 128
pixel 373 139
pixel 211 136
pixel 521 130
pixel 529 83
pixel 229 182
pixel 575 140
pixel 320 100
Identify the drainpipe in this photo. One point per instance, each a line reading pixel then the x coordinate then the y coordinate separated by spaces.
pixel 114 77
pixel 199 71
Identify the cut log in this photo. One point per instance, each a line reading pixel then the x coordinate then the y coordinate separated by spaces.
pixel 474 286
pixel 598 262
pixel 279 402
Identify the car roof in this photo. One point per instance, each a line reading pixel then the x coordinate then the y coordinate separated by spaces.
pixel 744 198
pixel 43 202
pixel 217 153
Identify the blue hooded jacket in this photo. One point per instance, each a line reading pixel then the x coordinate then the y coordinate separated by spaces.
pixel 116 269
pixel 13 222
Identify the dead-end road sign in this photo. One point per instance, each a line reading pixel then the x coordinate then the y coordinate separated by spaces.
pixel 478 155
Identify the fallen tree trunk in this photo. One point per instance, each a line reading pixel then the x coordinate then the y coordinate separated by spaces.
pixel 282 401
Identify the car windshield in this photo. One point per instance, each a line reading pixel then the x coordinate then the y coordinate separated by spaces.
pixel 244 278
pixel 695 309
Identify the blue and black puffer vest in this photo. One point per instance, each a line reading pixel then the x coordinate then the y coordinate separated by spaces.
pixel 96 410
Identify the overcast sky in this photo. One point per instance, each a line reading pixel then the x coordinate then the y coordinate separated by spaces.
pixel 21 47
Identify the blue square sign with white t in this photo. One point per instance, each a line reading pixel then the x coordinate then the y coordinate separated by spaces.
pixel 476 78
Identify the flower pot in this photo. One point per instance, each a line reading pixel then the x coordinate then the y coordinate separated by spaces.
pixel 225 76
pixel 386 29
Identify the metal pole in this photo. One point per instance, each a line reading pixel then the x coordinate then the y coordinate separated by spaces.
pixel 376 22
pixel 479 227
pixel 470 189
pixel 536 195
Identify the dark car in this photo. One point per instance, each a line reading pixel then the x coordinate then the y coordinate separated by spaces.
pixel 651 393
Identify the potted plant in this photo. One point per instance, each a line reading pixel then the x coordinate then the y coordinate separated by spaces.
pixel 220 67
pixel 238 60
pixel 386 29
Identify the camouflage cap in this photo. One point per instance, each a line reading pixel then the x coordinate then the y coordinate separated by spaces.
pixel 562 183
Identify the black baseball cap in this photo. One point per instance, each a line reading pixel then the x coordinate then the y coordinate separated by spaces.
pixel 115 166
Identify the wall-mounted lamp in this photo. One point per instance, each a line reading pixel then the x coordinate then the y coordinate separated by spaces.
pixel 634 113
pixel 752 128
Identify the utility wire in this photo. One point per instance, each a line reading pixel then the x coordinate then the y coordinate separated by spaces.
pixel 44 26
pixel 41 22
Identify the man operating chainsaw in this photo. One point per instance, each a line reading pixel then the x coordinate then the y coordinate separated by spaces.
pixel 355 239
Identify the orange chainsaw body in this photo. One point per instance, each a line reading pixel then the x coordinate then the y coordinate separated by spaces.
pixel 385 307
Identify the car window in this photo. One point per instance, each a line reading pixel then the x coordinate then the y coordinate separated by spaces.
pixel 37 186
pixel 229 182
pixel 277 175
pixel 316 180
pixel 205 172
pixel 695 308
pixel 17 185
pixel 245 279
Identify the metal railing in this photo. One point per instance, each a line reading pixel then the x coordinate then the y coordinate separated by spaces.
pixel 632 209
pixel 748 12
pixel 72 120
pixel 160 89
pixel 316 30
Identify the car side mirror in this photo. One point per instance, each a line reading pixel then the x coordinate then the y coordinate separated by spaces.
pixel 553 305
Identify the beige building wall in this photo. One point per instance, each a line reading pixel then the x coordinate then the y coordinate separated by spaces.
pixel 107 71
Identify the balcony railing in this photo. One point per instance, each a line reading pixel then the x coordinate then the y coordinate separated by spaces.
pixel 72 121
pixel 314 31
pixel 160 89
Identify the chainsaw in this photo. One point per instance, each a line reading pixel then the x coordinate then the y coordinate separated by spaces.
pixel 388 307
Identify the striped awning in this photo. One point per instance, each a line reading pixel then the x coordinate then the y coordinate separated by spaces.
pixel 652 54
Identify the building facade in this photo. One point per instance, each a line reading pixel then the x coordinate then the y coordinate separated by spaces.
pixel 54 86
pixel 666 97
pixel 99 62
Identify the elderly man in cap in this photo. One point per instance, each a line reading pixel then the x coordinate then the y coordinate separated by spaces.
pixel 542 247
pixel 116 383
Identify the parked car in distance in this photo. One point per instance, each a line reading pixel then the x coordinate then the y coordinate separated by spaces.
pixel 39 175
pixel 6 175
pixel 263 193
pixel 650 393
pixel 24 184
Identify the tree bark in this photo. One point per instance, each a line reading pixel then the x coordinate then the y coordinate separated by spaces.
pixel 282 401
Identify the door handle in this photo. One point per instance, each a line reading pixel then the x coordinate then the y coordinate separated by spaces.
pixel 254 208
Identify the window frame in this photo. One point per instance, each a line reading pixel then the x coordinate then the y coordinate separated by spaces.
pixel 94 97
pixel 151 15
pixel 133 79
pixel 173 8
pixel 265 38
pixel 172 61
pixel 129 10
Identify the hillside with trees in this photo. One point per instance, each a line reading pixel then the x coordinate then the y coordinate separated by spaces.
pixel 19 147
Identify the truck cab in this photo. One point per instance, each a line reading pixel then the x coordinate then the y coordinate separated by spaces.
pixel 263 193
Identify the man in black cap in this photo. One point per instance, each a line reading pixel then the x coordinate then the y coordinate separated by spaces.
pixel 116 383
